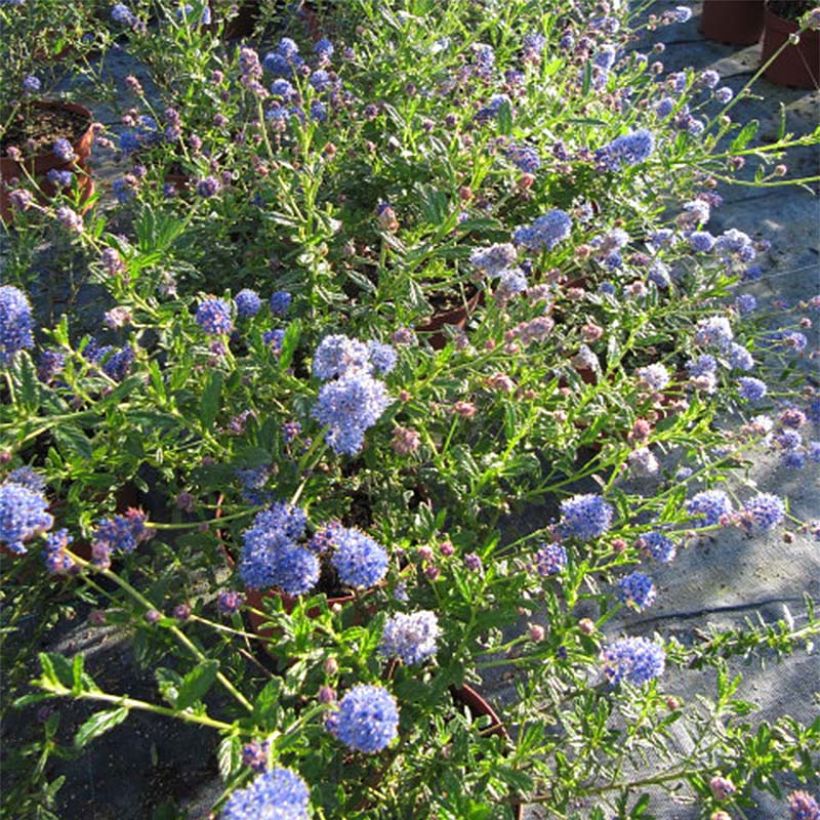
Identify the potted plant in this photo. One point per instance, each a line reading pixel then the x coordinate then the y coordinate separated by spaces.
pixel 791 64
pixel 734 22
pixel 47 143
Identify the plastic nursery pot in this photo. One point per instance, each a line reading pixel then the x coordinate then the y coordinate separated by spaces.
pixel 469 697
pixel 454 316
pixel 734 22
pixel 797 66
pixel 67 118
pixel 255 600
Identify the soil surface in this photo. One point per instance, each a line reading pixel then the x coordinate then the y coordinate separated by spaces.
pixel 34 130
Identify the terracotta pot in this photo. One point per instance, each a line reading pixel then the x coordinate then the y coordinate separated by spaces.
pixel 455 317
pixel 469 697
pixel 796 66
pixel 255 599
pixel 39 166
pixel 734 22
pixel 242 25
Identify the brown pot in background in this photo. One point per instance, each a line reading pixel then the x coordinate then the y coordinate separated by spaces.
pixel 39 166
pixel 734 22
pixel 255 598
pixel 467 696
pixel 455 317
pixel 796 66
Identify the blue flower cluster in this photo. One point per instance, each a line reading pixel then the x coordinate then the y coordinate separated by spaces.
pixel 762 513
pixel 545 232
pixel 353 401
pixel 248 303
pixel 279 794
pixel 636 590
pixel 23 515
pixel 585 516
pixel 628 149
pixel 57 560
pixel 494 260
pixel 358 559
pixel 410 637
pixel 524 157
pixel 16 323
pixel 550 560
pixel 709 506
pixel 283 59
pixel 120 532
pixel 660 547
pixel 635 660
pixel 367 720
pixel 271 555
pixel 214 316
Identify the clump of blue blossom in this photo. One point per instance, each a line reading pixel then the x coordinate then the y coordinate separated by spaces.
pixel 23 516
pixel 585 516
pixel 657 545
pixel 16 323
pixel 545 232
pixel 709 506
pixel 367 719
pixel 214 316
pixel 762 513
pixel 634 660
pixel 410 637
pixel 636 591
pixel 359 560
pixel 628 149
pixel 550 560
pixel 279 794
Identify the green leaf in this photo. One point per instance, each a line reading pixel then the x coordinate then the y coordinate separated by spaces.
pixel 746 135
pixel 196 683
pixel 229 756
pixel 289 344
pixel 98 724
pixel 209 405
pixel 72 441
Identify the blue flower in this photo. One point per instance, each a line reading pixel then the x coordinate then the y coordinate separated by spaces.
pixel 323 48
pixel 121 532
pixel 27 477
pixel 709 506
pixel 410 637
pixel 120 13
pixel 279 794
pixel 524 157
pixel 654 376
pixel 751 389
pixel 280 302
pixel 636 590
pixel 658 546
pixel 545 232
pixel 802 806
pixel 56 559
pixel 745 303
pixel 704 365
pixel 208 187
pixel 349 407
pixel 295 570
pixel 586 516
pixel 495 259
pixel 762 513
pixel 550 560
pixel 31 84
pixel 367 720
pixel 247 303
pixel 702 241
pixel 214 316
pixel 636 660
pixel 491 110
pixel 337 354
pixel 383 357
pixel 16 323
pixel 714 332
pixel 50 363
pixel 628 149
pixel 358 559
pixel 23 515
pixel 272 532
